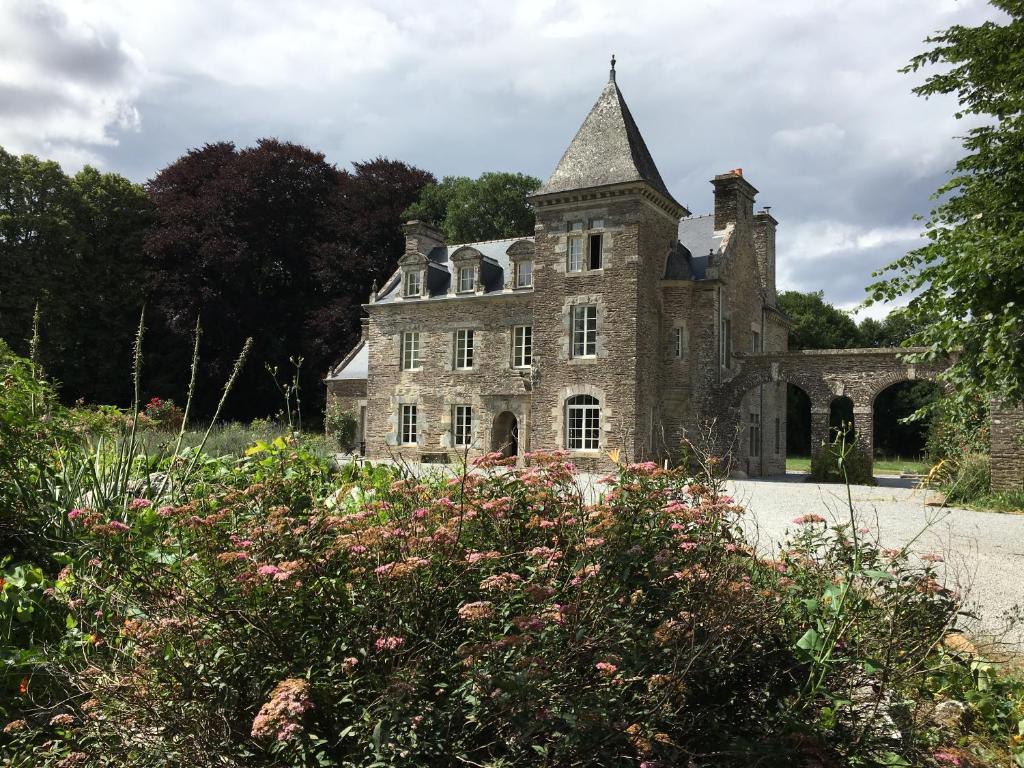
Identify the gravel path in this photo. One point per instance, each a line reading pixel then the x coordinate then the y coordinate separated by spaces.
pixel 983 551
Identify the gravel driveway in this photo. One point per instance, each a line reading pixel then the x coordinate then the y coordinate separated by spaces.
pixel 984 551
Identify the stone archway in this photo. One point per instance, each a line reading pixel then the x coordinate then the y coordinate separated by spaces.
pixel 505 434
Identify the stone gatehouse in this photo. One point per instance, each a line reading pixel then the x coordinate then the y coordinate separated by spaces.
pixel 623 323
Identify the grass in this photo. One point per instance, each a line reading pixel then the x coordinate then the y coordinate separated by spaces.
pixel 232 438
pixel 883 466
pixel 1011 502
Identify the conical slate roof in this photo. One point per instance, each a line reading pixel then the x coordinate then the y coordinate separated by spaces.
pixel 607 149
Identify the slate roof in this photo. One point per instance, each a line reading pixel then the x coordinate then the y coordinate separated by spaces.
pixel 356 365
pixel 493 253
pixel 697 234
pixel 607 149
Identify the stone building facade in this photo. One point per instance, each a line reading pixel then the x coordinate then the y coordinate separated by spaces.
pixel 606 330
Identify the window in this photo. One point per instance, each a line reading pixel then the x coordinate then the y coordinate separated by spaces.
pixel 413 283
pixel 407 429
pixel 467 280
pixel 522 346
pixel 725 342
pixel 755 435
pixel 584 330
pixel 679 342
pixel 596 242
pixel 463 350
pixel 524 274
pixel 778 438
pixel 574 255
pixel 582 423
pixel 755 341
pixel 411 351
pixel 462 425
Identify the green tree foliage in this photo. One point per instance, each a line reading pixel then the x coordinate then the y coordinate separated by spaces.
pixel 270 242
pixel 816 323
pixel 468 210
pixel 967 282
pixel 72 245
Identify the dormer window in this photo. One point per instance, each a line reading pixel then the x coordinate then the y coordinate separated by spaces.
pixel 413 285
pixel 524 274
pixel 467 279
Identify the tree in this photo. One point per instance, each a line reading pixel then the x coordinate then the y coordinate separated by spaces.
pixel 816 323
pixel 469 210
pixel 72 246
pixel 967 282
pixel 895 330
pixel 273 242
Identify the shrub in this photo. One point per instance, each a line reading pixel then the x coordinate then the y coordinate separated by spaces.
pixel 163 414
pixel 840 462
pixel 342 426
pixel 965 479
pixel 493 618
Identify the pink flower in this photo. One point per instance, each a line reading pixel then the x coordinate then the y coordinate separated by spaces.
pixel 117 525
pixel 388 643
pixel 76 513
pixel 349 664
pixel 358 549
pixel 933 558
pixel 476 557
pixel 139 503
pixel 687 546
pixel 476 611
pixel 947 757
pixel 419 514
pixel 805 519
pixel 606 668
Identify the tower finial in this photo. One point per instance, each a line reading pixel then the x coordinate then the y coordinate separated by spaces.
pixel 611 75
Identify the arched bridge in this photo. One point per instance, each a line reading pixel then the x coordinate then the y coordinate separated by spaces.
pixel 825 375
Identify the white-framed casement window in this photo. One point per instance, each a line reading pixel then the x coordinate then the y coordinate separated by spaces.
pixel 522 346
pixel 679 342
pixel 755 341
pixel 755 434
pixel 595 245
pixel 725 342
pixel 467 279
pixel 408 429
pixel 574 247
pixel 462 425
pixel 524 273
pixel 582 423
pixel 413 285
pixel 584 330
pixel 463 349
pixel 411 360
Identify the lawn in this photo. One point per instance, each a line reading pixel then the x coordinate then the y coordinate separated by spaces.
pixel 883 466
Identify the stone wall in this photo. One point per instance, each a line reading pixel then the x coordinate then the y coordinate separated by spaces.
pixel 1007 450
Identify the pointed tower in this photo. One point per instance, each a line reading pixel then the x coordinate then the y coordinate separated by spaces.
pixel 605 225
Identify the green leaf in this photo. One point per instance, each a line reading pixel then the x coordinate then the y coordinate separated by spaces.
pixel 810 641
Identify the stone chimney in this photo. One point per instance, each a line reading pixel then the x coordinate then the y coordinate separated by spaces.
pixel 764 249
pixel 734 199
pixel 421 237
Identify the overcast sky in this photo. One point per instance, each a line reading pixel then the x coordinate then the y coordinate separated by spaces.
pixel 804 95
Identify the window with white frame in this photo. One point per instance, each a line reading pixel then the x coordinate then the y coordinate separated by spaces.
pixel 679 342
pixel 411 351
pixel 408 432
pixel 584 330
pixel 725 342
pixel 522 346
pixel 463 349
pixel 755 434
pixel 582 423
pixel 755 341
pixel 467 279
pixel 524 273
pixel 413 284
pixel 574 254
pixel 462 425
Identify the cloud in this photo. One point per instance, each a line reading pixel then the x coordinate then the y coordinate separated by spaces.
pixel 65 87
pixel 805 95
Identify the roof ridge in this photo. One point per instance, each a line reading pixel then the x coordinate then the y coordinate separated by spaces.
pixel 497 240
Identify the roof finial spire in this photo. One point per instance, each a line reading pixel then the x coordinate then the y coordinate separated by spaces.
pixel 611 75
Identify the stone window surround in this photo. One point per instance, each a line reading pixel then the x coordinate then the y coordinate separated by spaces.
pixel 558 414
pixel 515 348
pixel 469 425
pixel 516 285
pixel 412 264
pixel 402 336
pixel 562 246
pixel 520 251
pixel 469 349
pixel 565 341
pixel 394 419
pixel 466 256
pixel 679 341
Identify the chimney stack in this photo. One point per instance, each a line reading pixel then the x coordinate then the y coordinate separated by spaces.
pixel 421 237
pixel 764 249
pixel 734 199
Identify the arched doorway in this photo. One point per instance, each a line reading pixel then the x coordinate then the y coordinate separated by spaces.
pixel 900 445
pixel 798 425
pixel 505 434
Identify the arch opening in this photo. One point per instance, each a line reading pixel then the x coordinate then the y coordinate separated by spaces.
pixel 901 445
pixel 505 434
pixel 798 422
